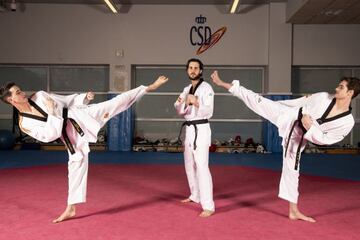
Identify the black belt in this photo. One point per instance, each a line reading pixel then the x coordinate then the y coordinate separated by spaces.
pixel 320 121
pixel 300 125
pixel 77 127
pixel 194 123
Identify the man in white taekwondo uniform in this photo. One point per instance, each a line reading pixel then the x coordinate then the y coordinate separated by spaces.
pixel 320 118
pixel 196 104
pixel 47 117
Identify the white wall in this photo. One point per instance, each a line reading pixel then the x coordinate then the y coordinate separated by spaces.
pixel 280 50
pixel 159 34
pixel 146 34
pixel 327 45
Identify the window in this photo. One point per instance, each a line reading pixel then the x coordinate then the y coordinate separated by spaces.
pixel 61 79
pixel 155 115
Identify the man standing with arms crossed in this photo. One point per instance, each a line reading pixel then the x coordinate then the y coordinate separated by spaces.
pixel 196 105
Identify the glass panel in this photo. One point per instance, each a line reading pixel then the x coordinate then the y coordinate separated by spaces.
pixel 225 107
pixel 160 106
pixel 5 108
pixel 6 124
pixel 155 106
pixel 316 80
pixel 250 78
pixel 357 73
pixel 79 78
pixel 177 78
pixel 229 107
pixel 356 106
pixel 29 78
pixel 356 135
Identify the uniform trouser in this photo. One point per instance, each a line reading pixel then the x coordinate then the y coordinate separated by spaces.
pixel 289 182
pixel 271 110
pixel 199 176
pixel 102 112
pixel 77 178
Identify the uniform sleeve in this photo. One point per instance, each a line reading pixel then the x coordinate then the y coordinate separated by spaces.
pixel 206 103
pixel 181 107
pixel 244 95
pixel 297 102
pixel 69 100
pixel 81 99
pixel 235 89
pixel 334 135
pixel 128 98
pixel 49 132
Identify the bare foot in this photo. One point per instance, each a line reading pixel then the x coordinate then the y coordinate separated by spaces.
pixel 187 200
pixel 68 213
pixel 297 215
pixel 206 213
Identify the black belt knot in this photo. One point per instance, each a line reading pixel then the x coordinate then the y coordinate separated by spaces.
pixel 77 127
pixel 194 123
pixel 300 125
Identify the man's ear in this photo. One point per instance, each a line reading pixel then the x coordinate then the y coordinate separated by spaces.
pixel 9 100
pixel 351 92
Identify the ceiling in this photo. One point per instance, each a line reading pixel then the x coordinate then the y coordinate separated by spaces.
pixel 301 11
pixel 163 2
pixel 327 12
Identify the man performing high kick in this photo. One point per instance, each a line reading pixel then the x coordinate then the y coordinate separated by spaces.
pixel 47 117
pixel 320 118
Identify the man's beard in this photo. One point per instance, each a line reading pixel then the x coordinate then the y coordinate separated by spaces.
pixel 197 77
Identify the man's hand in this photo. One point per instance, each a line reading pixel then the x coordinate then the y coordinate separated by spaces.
pixel 306 121
pixel 192 100
pixel 216 79
pixel 158 82
pixel 90 96
pixel 180 100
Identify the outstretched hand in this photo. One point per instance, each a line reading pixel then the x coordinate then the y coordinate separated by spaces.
pixel 158 82
pixel 216 79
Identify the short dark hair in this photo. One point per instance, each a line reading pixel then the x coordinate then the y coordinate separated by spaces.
pixel 5 91
pixel 201 65
pixel 353 83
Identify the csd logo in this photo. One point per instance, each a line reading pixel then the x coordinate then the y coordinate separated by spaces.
pixel 200 35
